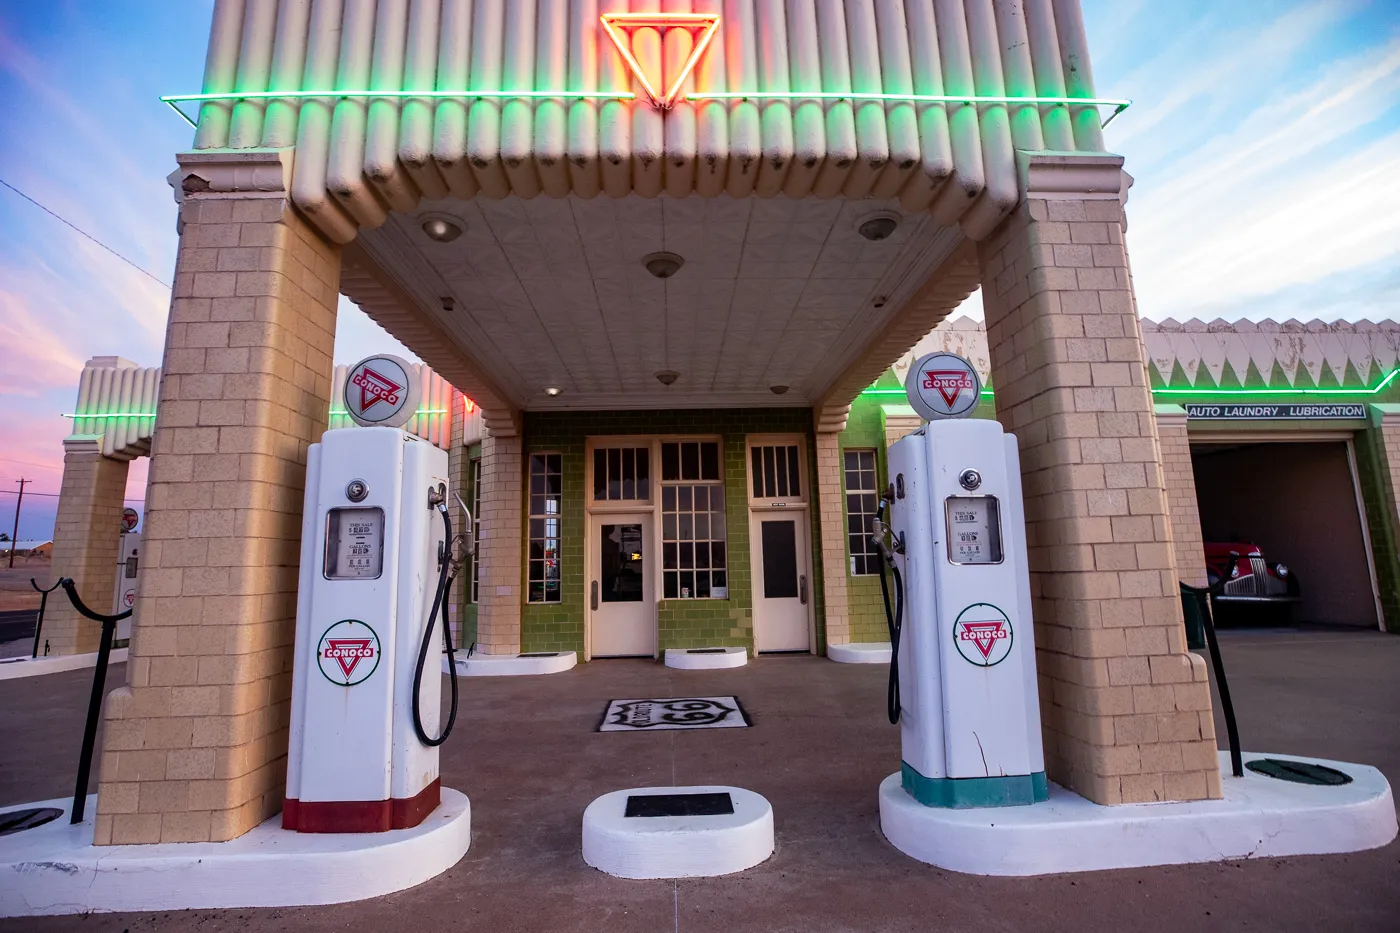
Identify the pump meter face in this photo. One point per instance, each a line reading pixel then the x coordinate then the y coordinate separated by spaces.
pixel 974 530
pixel 354 544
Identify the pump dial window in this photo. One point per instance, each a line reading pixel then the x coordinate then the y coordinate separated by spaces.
pixel 354 544
pixel 974 530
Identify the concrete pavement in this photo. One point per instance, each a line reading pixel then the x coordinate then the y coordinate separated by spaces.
pixel 527 755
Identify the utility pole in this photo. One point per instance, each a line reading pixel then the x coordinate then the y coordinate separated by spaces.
pixel 14 538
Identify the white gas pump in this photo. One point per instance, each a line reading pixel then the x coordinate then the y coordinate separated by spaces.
pixel 963 681
pixel 376 562
pixel 128 568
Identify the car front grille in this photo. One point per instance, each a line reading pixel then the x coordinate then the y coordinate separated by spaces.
pixel 1257 582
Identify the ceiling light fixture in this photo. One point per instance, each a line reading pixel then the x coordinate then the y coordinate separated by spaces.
pixel 553 391
pixel 778 390
pixel 878 226
pixel 441 227
pixel 663 265
pixel 667 376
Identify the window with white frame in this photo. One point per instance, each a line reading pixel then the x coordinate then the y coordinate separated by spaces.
pixel 475 591
pixel 694 562
pixel 621 474
pixel 546 498
pixel 861 500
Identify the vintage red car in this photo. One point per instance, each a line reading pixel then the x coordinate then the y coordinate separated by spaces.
pixel 1247 576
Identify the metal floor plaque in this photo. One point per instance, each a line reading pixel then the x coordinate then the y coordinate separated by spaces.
pixel 680 713
pixel 679 805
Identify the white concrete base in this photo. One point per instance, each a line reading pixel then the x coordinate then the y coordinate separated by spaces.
pixel 1259 817
pixel 677 846
pixel 511 665
pixel 683 660
pixel 55 868
pixel 873 652
pixel 11 669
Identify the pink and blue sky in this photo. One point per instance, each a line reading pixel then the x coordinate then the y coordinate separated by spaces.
pixel 1265 139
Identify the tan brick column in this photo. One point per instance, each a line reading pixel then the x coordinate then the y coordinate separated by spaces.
pixel 502 530
pixel 86 541
pixel 1125 708
pixel 1180 478
pixel 196 744
pixel 831 519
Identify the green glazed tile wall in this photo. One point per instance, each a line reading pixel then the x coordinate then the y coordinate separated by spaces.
pixel 681 623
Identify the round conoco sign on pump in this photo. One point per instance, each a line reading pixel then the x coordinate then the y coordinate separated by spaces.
pixel 130 518
pixel 943 385
pixel 380 391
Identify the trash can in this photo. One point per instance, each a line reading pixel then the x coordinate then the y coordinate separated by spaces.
pixel 1193 610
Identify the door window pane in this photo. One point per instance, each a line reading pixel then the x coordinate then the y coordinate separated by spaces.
pixel 776 471
pixel 779 559
pixel 623 562
pixel 622 474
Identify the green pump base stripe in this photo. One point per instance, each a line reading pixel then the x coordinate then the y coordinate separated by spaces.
pixel 1019 790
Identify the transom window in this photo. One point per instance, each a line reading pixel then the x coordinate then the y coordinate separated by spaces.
pixel 621 474
pixel 861 500
pixel 776 471
pixel 546 499
pixel 694 560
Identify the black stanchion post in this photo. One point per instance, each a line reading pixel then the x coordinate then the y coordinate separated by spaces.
pixel 99 680
pixel 39 622
pixel 1217 663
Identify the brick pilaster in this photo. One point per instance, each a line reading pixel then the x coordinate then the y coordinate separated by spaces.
pixel 195 746
pixel 831 516
pixel 502 528
pixel 1125 708
pixel 1180 478
pixel 86 541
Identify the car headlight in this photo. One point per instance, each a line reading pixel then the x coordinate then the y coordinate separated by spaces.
pixel 1234 571
pixel 1281 570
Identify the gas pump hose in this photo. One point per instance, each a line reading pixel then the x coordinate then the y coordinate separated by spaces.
pixel 445 576
pixel 894 618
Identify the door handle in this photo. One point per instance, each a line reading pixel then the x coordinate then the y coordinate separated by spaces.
pixel 594 598
pixel 802 588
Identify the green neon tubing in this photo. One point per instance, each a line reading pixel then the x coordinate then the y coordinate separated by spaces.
pixel 151 414
pixel 173 100
pixel 1118 105
pixel 1244 391
pixel 1219 392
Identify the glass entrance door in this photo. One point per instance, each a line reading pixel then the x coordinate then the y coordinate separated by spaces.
pixel 621 599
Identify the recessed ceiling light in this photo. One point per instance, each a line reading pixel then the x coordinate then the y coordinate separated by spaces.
pixel 663 265
pixel 441 228
pixel 878 226
pixel 553 391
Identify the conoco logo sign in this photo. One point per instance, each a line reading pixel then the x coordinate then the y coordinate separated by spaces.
pixel 348 653
pixel 381 390
pixel 943 385
pixel 983 634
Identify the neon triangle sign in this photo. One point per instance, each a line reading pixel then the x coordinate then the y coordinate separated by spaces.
pixel 616 25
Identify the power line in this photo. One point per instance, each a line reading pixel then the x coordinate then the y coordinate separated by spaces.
pixel 80 230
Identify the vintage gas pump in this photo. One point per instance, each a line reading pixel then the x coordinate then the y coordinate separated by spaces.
pixel 128 569
pixel 963 681
pixel 377 559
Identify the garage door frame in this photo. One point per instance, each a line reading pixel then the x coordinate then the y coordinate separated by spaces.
pixel 1306 437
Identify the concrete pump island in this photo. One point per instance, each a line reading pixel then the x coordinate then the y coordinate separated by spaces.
pixel 691 425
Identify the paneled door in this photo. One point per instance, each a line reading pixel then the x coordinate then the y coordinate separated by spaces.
pixel 782 588
pixel 621 585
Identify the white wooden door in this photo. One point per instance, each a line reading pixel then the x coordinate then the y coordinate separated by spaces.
pixel 782 585
pixel 621 586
